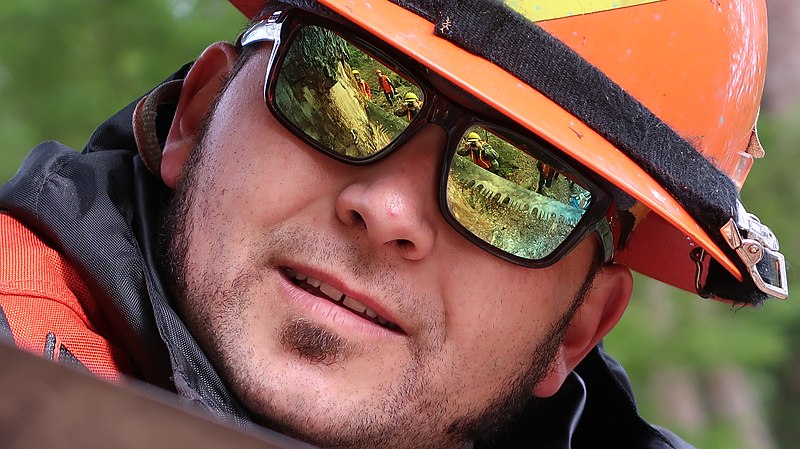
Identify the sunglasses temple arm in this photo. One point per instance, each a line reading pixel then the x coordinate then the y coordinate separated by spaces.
pixel 606 235
pixel 261 31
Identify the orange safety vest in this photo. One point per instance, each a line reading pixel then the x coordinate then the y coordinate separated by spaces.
pixel 363 87
pixel 386 85
pixel 479 159
pixel 48 308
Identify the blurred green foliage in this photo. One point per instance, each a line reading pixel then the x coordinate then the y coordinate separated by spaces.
pixel 65 66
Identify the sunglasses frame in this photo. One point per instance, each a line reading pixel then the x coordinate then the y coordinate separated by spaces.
pixel 281 29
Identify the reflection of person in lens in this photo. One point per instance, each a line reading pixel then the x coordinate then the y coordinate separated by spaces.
pixel 386 86
pixel 362 85
pixel 481 153
pixel 410 106
pixel 580 200
pixel 546 176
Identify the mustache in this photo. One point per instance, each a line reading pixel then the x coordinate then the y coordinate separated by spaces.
pixel 286 243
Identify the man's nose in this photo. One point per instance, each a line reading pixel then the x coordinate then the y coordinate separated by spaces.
pixel 395 200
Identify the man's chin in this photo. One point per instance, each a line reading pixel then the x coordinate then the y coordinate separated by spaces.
pixel 359 433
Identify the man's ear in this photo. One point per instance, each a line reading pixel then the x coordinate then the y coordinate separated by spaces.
pixel 200 87
pixel 605 302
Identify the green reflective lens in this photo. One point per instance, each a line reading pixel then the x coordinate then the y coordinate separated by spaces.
pixel 510 199
pixel 342 97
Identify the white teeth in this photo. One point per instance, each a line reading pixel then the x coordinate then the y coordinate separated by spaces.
pixel 331 292
pixel 334 294
pixel 354 305
pixel 314 282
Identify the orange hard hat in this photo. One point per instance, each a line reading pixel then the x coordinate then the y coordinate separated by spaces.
pixel 658 98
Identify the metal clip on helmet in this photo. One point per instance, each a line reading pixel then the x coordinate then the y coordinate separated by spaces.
pixel 657 98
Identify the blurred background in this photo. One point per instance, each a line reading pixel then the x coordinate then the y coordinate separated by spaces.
pixel 722 377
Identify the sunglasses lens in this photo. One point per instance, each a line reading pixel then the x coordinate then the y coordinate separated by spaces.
pixel 510 199
pixel 349 102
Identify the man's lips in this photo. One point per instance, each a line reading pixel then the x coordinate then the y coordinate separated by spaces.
pixel 321 289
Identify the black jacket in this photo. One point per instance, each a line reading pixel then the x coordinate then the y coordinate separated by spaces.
pixel 102 208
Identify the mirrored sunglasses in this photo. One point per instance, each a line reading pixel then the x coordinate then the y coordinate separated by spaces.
pixel 356 100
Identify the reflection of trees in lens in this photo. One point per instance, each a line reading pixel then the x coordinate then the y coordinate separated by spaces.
pixel 525 170
pixel 316 91
pixel 505 214
pixel 515 165
pixel 388 117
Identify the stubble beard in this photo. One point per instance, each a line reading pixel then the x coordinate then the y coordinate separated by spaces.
pixel 397 418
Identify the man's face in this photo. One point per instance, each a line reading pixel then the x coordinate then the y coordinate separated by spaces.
pixel 469 334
